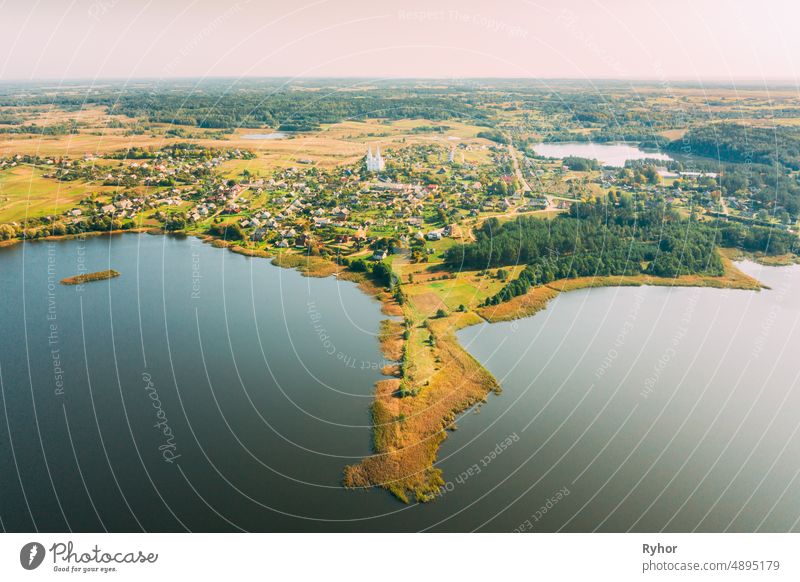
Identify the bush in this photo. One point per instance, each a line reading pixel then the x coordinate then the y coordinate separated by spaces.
pixel 358 266
pixel 7 232
pixel 382 273
pixel 175 222
pixel 405 390
pixel 228 231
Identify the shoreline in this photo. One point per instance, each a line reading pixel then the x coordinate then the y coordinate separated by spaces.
pixel 434 379
pixel 91 233
pixel 539 297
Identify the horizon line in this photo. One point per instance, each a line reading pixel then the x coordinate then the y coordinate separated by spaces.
pixel 644 79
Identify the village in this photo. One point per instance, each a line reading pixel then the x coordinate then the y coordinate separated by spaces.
pixel 421 197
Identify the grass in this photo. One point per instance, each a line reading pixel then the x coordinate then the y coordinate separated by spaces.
pixel 409 431
pixel 24 192
pixel 469 288
pixel 391 339
pixel 761 258
pixel 89 277
pixel 309 265
pixel 93 116
pixel 732 278
pixel 444 379
pixel 522 306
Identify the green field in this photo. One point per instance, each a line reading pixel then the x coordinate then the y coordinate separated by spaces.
pixel 25 193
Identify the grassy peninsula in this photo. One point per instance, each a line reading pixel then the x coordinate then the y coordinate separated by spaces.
pixel 437 379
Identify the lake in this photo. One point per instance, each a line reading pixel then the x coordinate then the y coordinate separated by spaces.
pixel 273 135
pixel 203 390
pixel 608 154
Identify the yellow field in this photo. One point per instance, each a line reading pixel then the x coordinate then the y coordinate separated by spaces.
pixel 23 191
pixel 91 116
pixel 335 144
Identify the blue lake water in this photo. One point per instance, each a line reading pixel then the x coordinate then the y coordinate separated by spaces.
pixel 273 135
pixel 202 390
pixel 608 154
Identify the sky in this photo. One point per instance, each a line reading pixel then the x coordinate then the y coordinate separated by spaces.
pixel 696 40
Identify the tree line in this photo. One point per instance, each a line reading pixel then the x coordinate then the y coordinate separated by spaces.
pixel 594 239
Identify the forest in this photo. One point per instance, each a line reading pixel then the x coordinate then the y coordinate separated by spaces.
pixel 603 238
pixel 252 104
pixel 732 142
pixel 595 238
pixel 592 231
pixel 756 239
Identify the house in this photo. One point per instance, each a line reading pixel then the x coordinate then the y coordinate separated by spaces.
pixel 434 235
pixel 379 255
pixel 259 235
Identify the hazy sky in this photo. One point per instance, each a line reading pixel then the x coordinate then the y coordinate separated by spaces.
pixel 666 39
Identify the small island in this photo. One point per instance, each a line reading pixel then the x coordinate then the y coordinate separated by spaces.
pixel 89 277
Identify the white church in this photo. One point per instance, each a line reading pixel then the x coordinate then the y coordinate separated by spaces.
pixel 375 163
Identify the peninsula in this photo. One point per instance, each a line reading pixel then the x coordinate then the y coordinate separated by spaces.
pixel 434 197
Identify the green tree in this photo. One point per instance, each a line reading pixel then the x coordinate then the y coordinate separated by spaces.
pixel 7 232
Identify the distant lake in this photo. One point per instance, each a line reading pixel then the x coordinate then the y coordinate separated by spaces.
pixel 655 408
pixel 608 154
pixel 273 135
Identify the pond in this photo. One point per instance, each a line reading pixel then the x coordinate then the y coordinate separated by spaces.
pixel 273 135
pixel 608 154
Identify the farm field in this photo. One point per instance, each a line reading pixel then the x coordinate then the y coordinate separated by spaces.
pixel 24 193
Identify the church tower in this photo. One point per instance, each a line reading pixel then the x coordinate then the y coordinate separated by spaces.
pixel 375 162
